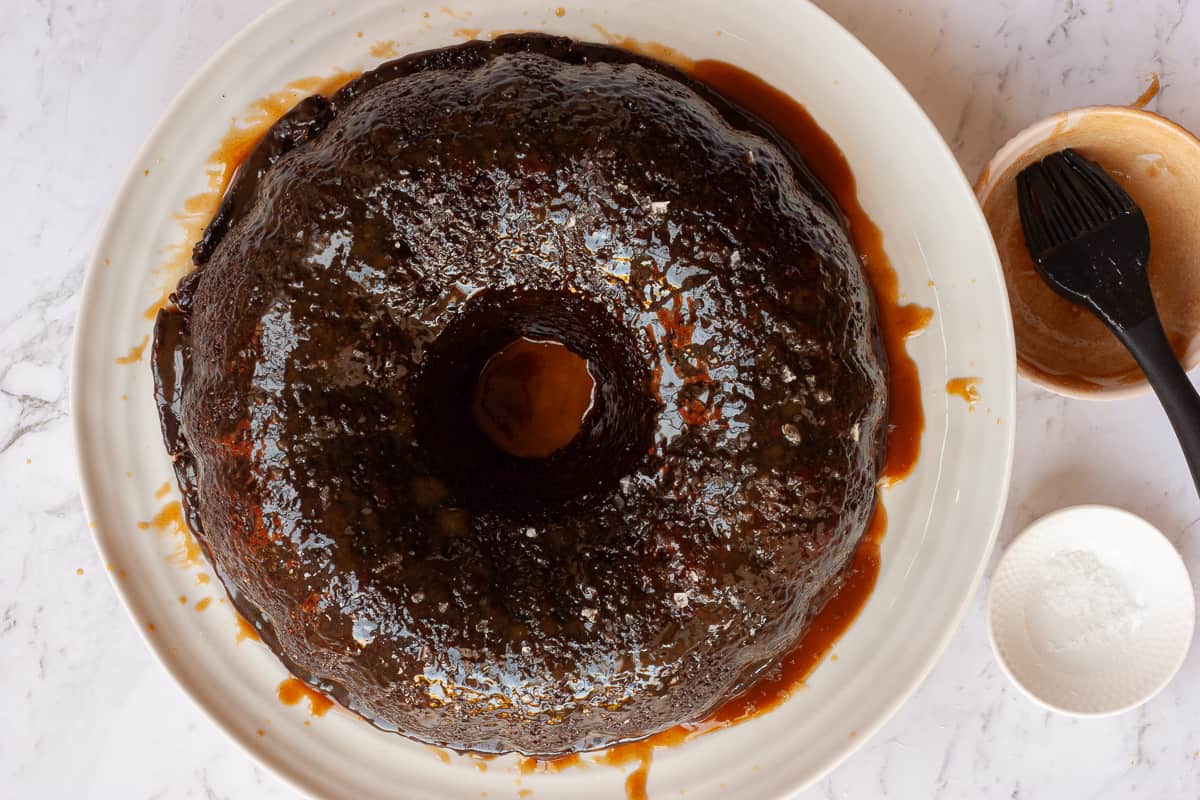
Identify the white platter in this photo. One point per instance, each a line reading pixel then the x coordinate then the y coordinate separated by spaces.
pixel 943 519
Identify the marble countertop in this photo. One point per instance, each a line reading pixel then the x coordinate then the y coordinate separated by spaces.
pixel 88 711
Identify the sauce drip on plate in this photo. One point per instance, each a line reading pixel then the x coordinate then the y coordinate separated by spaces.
pixel 965 388
pixel 293 690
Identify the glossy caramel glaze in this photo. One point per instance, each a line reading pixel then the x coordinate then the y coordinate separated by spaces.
pixel 315 380
pixel 776 684
pixel 898 321
pixel 532 397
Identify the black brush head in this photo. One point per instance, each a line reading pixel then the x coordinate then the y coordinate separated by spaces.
pixel 1088 239
pixel 1065 196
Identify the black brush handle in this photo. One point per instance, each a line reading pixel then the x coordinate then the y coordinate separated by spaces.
pixel 1148 344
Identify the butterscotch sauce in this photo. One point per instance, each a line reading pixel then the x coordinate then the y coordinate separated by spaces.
pixel 897 321
pixel 292 690
pixel 246 631
pixel 135 353
pixel 641 753
pixel 1151 92
pixel 169 521
pixel 1158 164
pixel 532 397
pixel 965 388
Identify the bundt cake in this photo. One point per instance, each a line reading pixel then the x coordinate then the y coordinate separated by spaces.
pixel 526 395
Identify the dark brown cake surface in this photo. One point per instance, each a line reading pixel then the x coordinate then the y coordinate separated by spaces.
pixel 317 376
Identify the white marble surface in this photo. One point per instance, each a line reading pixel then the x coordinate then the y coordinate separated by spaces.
pixel 86 710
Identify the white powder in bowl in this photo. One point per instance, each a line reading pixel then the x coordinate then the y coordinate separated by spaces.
pixel 1083 603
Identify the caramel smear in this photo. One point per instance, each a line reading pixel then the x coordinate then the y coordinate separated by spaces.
pixel 651 49
pixel 1151 92
pixel 246 631
pixel 169 521
pixel 135 353
pixel 387 49
pixel 966 388
pixel 293 690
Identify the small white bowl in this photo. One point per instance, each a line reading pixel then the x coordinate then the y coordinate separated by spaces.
pixel 1060 346
pixel 1091 611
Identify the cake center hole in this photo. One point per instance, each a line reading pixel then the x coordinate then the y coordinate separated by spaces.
pixel 532 397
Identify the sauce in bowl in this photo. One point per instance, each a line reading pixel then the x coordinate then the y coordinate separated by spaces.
pixel 1061 346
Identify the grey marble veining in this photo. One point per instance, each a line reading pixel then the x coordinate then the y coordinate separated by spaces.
pixel 88 713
